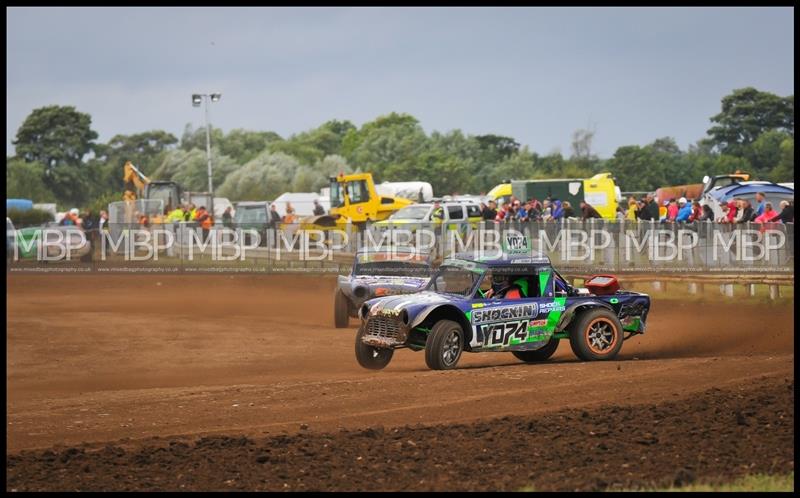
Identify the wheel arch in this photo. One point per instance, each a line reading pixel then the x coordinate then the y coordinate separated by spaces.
pixel 576 308
pixel 445 312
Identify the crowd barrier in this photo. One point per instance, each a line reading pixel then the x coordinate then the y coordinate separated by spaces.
pixel 574 245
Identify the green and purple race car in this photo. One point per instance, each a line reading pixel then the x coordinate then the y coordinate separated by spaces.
pixel 516 303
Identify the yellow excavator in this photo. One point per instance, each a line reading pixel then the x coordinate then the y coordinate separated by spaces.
pixel 135 182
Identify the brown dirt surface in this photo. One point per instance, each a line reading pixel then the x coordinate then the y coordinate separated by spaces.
pixel 222 368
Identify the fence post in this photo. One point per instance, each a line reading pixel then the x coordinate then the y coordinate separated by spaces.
pixel 726 290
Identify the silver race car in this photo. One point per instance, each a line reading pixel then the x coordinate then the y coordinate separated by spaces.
pixel 379 273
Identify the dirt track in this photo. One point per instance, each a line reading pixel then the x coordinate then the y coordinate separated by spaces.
pixel 101 358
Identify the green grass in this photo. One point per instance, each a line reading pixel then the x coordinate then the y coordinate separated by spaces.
pixel 752 483
pixel 747 483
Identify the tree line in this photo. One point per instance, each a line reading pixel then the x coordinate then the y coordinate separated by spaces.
pixel 58 158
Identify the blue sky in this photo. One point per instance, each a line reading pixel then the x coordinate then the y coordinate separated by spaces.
pixel 536 74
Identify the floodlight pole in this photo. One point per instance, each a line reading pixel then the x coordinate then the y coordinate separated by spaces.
pixel 206 98
pixel 195 101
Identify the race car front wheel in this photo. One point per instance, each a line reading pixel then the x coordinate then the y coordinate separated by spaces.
pixel 540 354
pixel 596 335
pixel 341 317
pixel 371 357
pixel 444 345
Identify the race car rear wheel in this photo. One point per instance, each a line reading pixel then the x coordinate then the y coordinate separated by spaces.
pixel 596 335
pixel 444 345
pixel 540 354
pixel 371 357
pixel 341 315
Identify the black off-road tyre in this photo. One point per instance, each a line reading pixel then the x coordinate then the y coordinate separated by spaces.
pixel 596 335
pixel 341 310
pixel 541 354
pixel 370 357
pixel 444 345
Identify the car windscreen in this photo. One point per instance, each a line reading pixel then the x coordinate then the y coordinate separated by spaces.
pixel 456 278
pixel 393 269
pixel 411 213
pixel 254 214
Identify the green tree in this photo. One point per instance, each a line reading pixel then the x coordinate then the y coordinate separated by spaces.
pixel 263 178
pixel 518 166
pixel 24 181
pixel 196 138
pixel 58 138
pixel 393 141
pixel 638 168
pixel 746 114
pixel 784 171
pixel 190 168
pixel 55 136
pixel 244 145
pixel 498 146
pixel 765 153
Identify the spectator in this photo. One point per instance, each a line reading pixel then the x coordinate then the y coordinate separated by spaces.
pixel 672 210
pixel 319 210
pixel 684 211
pixel 787 213
pixel 558 209
pixel 620 213
pixel 227 218
pixel 547 211
pixel 189 212
pixel 89 221
pixel 728 212
pixel 587 211
pixel 745 214
pixel 522 212
pixel 767 215
pixel 697 212
pixel 633 209
pixel 569 212
pixel 177 215
pixel 503 212
pixel 662 211
pixel 143 220
pixel 489 212
pixel 289 217
pixel 204 219
pixel 761 203
pixel 649 210
pixel 438 212
pixel 102 223
pixel 707 213
pixel 70 217
pixel 535 211
pixel 273 224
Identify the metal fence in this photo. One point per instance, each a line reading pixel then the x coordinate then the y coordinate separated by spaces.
pixel 572 245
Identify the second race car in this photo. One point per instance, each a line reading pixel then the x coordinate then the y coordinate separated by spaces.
pixel 377 273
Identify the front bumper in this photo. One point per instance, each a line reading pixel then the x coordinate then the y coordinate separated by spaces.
pixel 384 332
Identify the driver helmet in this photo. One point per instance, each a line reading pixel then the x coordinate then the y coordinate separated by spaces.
pixel 499 282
